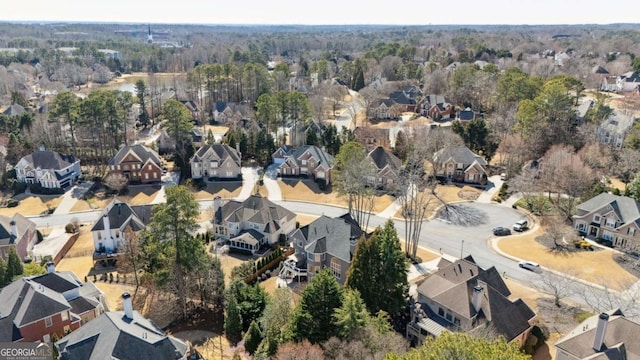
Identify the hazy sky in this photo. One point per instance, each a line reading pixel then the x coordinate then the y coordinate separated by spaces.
pixel 409 12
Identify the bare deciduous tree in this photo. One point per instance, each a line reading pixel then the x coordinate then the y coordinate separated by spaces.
pixel 604 297
pixel 558 285
pixel 116 182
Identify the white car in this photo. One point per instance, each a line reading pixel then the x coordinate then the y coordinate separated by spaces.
pixel 529 265
pixel 503 176
pixel 521 225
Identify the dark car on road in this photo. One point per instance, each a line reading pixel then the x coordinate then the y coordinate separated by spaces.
pixel 501 231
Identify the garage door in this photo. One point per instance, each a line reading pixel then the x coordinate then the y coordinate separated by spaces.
pixel 320 175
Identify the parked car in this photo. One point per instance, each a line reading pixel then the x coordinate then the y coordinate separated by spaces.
pixel 529 265
pixel 501 231
pixel 503 176
pixel 521 225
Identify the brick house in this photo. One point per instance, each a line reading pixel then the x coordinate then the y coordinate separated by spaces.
pixel 33 309
pixel 19 233
pixel 137 163
pixel 610 217
pixel 308 160
pixel 388 169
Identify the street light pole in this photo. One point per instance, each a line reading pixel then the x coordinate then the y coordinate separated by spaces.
pixel 461 248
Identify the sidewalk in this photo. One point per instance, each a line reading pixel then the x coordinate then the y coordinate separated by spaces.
pixel 71 197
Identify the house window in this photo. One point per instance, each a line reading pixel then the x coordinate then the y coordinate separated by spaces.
pixel 214 164
pixel 149 166
pixel 117 233
pixel 449 317
pixel 456 321
pixel 228 164
pixel 155 175
pixel 48 322
pixel 441 312
pixel 64 315
pixel 146 176
pixel 99 236
pixel 335 268
pixel 631 231
pixel 304 162
pixel 118 167
pixel 125 167
pixel 596 219
pixel 611 222
pixel 460 165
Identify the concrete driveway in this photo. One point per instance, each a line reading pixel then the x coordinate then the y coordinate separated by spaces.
pixel 71 196
pixel 270 181
pixel 249 178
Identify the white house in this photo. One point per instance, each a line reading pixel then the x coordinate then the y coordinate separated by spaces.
pixel 108 230
pixel 49 169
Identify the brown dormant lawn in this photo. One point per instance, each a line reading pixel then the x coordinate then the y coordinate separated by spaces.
pixel 447 194
pixel 226 190
pixel 32 205
pixel 300 190
pixel 592 266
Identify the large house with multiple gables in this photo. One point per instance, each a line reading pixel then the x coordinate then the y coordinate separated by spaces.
pixel 137 163
pixel 217 161
pixel 462 296
pixel 388 169
pixel 35 308
pixel 308 160
pixel 610 217
pixel 252 223
pixel 48 169
pixel 19 233
pixel 459 164
pixel 325 242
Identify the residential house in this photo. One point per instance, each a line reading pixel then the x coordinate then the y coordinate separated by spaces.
pixel 299 132
pixel 462 296
pixel 385 109
pixel 403 100
pixel 111 54
pixel 459 164
pixel 193 109
pixel 14 110
pixel 628 82
pixel 325 242
pixel 137 163
pixel 218 161
pixel 166 144
pixel 35 308
pixel 108 230
pixel 436 107
pixel 610 217
pixel 609 83
pixel 121 335
pixel 370 137
pixel 19 233
pixel 466 115
pixel 86 300
pixel 252 223
pixel 307 160
pixel 614 129
pixel 609 335
pixel 48 169
pixel 388 169
pixel 228 112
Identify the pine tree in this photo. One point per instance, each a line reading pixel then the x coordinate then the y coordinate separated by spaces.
pixel 352 315
pixel 402 146
pixel 252 338
pixel 313 318
pixel 3 271
pixel 379 271
pixel 233 322
pixel 14 266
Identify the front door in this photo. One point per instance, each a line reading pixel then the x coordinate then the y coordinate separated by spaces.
pixel 593 231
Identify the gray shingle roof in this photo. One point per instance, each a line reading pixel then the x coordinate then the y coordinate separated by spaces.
pixel 620 341
pixel 112 335
pixel 47 159
pixel 627 209
pixel 255 209
pixel 322 156
pixel 14 110
pixel 22 224
pixel 381 158
pixel 331 235
pixel 216 152
pixel 452 287
pixel 23 302
pixel 120 214
pixel 58 281
pixel 459 154
pixel 141 151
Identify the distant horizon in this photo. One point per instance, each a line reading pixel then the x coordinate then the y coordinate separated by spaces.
pixel 328 13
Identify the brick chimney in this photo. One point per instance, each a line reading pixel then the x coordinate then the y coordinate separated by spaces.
pixel 601 331
pixel 127 305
